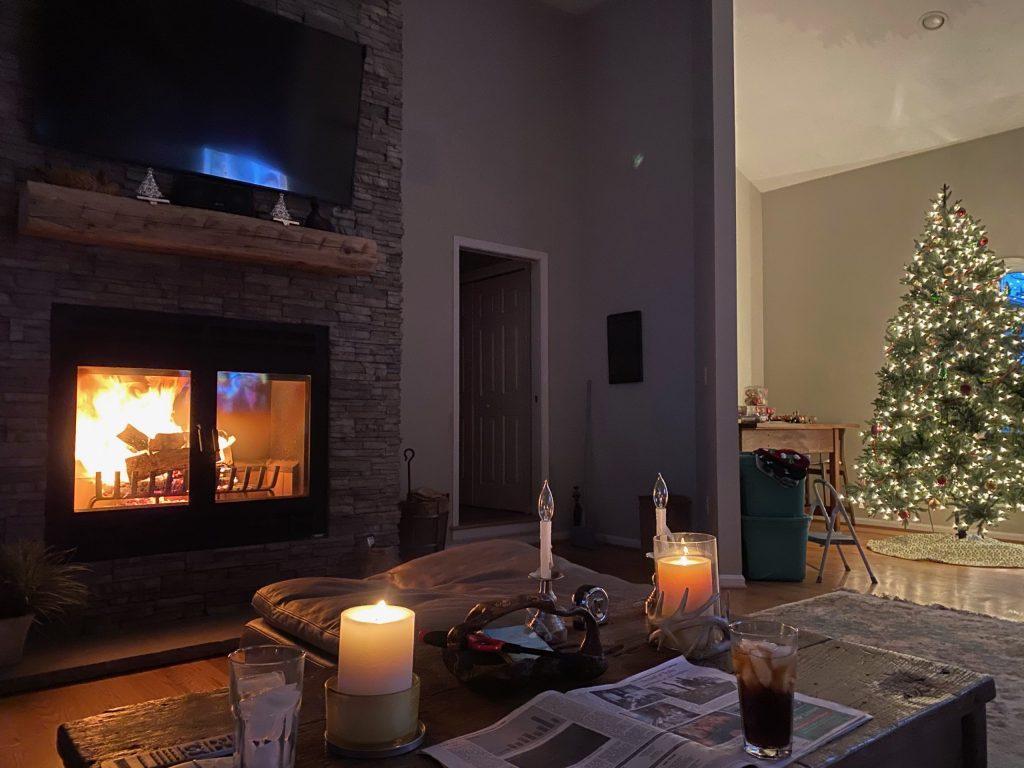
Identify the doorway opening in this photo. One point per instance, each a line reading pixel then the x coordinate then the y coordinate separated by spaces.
pixel 501 372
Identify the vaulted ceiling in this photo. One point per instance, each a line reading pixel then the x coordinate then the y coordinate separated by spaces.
pixel 824 86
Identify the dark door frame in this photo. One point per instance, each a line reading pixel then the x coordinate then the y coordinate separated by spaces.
pixel 538 261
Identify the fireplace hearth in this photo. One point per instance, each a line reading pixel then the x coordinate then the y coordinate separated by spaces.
pixel 173 432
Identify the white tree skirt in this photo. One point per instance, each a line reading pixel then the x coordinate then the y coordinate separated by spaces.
pixel 947 548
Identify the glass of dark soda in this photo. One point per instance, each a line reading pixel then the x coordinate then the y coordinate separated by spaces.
pixel 764 659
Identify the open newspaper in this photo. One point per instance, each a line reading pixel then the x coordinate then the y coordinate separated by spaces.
pixel 675 715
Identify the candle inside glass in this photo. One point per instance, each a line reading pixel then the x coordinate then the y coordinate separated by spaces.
pixel 676 573
pixel 375 648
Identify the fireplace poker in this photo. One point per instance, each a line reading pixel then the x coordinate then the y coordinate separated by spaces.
pixel 409 455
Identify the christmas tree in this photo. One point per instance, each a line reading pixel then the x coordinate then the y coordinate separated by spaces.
pixel 948 429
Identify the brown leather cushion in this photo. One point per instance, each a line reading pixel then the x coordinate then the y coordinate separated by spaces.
pixel 441 588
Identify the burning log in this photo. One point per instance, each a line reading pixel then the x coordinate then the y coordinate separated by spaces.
pixel 134 438
pixel 161 461
pixel 168 441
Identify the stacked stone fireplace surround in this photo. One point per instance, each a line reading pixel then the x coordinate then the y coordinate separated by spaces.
pixel 362 313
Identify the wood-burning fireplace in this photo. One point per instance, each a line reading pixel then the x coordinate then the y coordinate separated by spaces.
pixel 173 432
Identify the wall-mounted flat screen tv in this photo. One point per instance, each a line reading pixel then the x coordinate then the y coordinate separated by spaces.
pixel 214 87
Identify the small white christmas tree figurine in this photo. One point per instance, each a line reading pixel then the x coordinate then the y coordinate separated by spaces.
pixel 149 191
pixel 280 212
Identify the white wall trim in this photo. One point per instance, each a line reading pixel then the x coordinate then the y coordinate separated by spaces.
pixel 539 291
pixel 732 581
pixel 523 531
pixel 618 541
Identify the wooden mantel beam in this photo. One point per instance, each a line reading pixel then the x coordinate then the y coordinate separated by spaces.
pixel 93 218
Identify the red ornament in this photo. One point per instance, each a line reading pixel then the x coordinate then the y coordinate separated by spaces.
pixel 961 212
pixel 876 430
pixel 983 242
pixel 941 481
pixel 904 515
pixel 965 389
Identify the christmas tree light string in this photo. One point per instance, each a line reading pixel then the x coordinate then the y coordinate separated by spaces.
pixel 948 427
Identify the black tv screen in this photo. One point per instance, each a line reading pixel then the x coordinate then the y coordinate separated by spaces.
pixel 214 87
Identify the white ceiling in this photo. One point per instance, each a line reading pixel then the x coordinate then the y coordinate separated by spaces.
pixel 824 86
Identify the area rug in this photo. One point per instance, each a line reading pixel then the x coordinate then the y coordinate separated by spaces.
pixel 946 548
pixel 970 640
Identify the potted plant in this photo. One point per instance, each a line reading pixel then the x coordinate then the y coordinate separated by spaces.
pixel 36 583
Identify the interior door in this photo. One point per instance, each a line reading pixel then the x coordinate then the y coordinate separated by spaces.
pixel 496 392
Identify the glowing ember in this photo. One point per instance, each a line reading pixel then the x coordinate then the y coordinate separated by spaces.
pixel 108 403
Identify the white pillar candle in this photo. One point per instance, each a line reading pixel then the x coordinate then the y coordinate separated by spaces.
pixel 545 549
pixel 375 646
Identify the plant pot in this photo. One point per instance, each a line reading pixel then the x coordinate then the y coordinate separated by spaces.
pixel 12 638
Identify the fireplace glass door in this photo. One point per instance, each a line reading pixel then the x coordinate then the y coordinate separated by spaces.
pixel 262 436
pixel 131 438
pixel 171 432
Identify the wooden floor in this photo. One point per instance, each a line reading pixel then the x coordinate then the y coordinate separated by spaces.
pixel 28 722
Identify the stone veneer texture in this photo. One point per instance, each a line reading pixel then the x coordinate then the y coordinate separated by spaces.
pixel 363 313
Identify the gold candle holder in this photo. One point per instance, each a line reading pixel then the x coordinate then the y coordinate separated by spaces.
pixel 367 726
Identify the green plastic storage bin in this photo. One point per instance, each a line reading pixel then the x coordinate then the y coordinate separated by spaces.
pixel 775 548
pixel 763 496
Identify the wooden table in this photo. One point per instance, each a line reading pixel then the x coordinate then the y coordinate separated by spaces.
pixel 925 713
pixel 805 438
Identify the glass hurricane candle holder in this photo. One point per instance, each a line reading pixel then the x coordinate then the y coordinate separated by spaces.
pixel 685 614
pixel 686 564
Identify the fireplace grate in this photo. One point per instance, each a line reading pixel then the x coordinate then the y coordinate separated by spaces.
pixel 165 487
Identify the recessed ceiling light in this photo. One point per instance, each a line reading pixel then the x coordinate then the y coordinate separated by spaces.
pixel 933 20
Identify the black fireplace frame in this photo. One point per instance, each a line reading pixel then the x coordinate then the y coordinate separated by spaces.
pixel 203 345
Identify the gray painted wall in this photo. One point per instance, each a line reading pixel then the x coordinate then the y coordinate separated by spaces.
pixel 491 137
pixel 749 287
pixel 521 125
pixel 637 235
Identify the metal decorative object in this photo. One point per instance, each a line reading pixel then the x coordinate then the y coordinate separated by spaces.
pixel 651 601
pixel 281 214
pixel 595 600
pixel 488 671
pixel 149 191
pixel 548 625
pixel 697 634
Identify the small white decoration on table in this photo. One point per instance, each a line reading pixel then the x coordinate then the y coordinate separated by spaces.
pixel 149 191
pixel 660 496
pixel 280 212
pixel 546 512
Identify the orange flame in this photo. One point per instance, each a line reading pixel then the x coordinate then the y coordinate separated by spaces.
pixel 107 403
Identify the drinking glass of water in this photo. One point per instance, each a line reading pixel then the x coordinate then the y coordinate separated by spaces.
pixel 266 690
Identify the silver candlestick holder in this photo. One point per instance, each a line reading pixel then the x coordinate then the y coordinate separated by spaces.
pixel 650 603
pixel 548 627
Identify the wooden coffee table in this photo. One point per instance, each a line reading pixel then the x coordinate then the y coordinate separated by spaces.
pixel 927 713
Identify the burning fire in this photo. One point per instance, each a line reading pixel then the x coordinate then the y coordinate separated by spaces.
pixel 108 403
